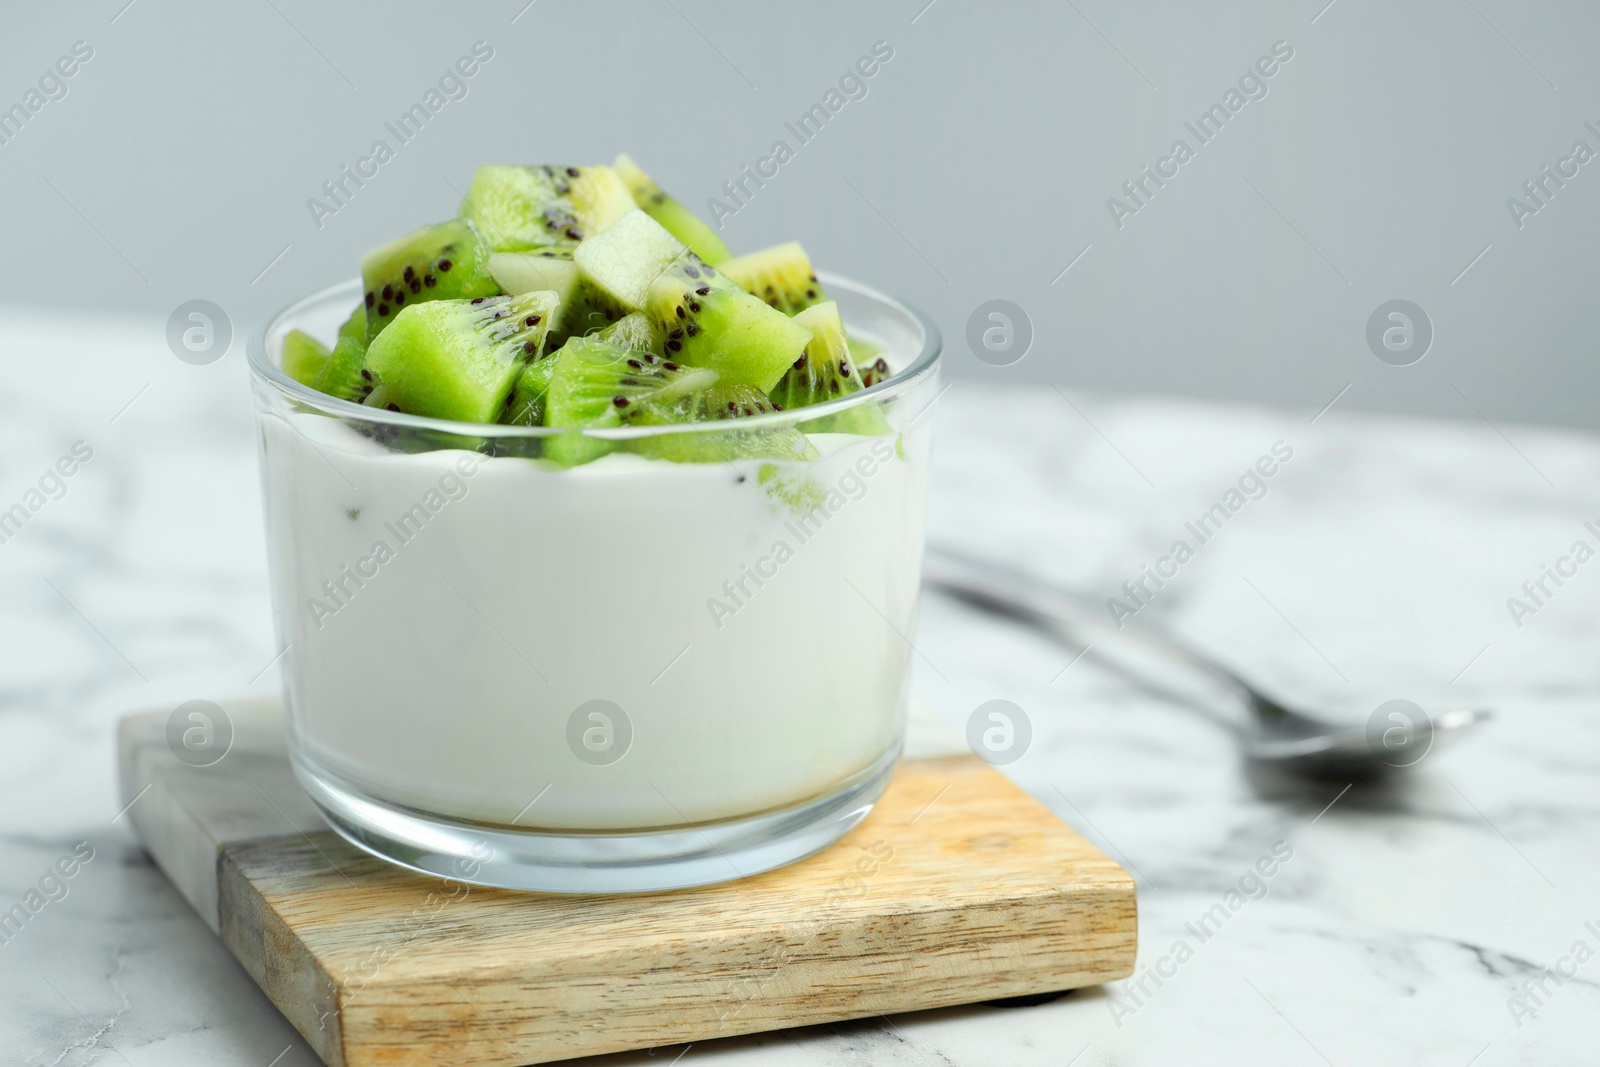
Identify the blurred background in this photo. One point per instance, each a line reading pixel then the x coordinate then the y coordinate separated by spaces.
pixel 1381 213
pixel 1382 159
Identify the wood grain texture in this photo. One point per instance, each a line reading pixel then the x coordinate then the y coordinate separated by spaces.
pixel 958 888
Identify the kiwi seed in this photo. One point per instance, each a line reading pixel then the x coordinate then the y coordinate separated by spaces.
pixel 445 265
pixel 383 309
pixel 703 290
pixel 620 401
pixel 430 281
pixel 371 297
pixel 669 365
pixel 691 329
pixel 388 292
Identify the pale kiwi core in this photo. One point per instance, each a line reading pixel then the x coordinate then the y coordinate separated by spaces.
pixel 440 672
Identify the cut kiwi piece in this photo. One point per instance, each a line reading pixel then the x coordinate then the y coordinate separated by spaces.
pixel 635 332
pixel 381 398
pixel 529 272
pixel 525 402
pixel 303 356
pixel 625 259
pixel 585 307
pixel 448 261
pixel 720 403
pixel 677 219
pixel 458 359
pixel 355 326
pixel 518 208
pixel 707 321
pixel 780 275
pixel 345 375
pixel 827 371
pixel 871 373
pixel 868 357
pixel 595 384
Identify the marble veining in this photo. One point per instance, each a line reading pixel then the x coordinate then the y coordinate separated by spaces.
pixel 1406 927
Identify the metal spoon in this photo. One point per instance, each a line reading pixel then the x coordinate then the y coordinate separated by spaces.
pixel 1275 734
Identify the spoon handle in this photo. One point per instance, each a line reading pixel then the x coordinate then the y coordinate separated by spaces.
pixel 999 588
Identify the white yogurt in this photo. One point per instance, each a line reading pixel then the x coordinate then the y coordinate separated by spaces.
pixel 446 614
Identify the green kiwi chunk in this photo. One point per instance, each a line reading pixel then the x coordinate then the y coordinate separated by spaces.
pixel 868 356
pixel 827 371
pixel 525 403
pixel 635 332
pixel 729 405
pixel 673 216
pixel 630 255
pixel 345 375
pixel 355 326
pixel 448 261
pixel 459 359
pixel 380 398
pixel 707 321
pixel 874 372
pixel 594 384
pixel 584 308
pixel 519 208
pixel 780 275
pixel 303 356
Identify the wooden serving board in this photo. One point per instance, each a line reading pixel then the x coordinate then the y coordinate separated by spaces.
pixel 958 888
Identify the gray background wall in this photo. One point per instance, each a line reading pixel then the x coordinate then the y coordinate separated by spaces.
pixel 1377 166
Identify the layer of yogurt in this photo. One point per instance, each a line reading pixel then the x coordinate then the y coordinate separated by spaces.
pixel 446 613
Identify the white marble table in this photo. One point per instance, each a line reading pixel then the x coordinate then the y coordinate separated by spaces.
pixel 1377 566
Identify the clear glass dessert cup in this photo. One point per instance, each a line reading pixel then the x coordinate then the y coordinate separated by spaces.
pixel 631 675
